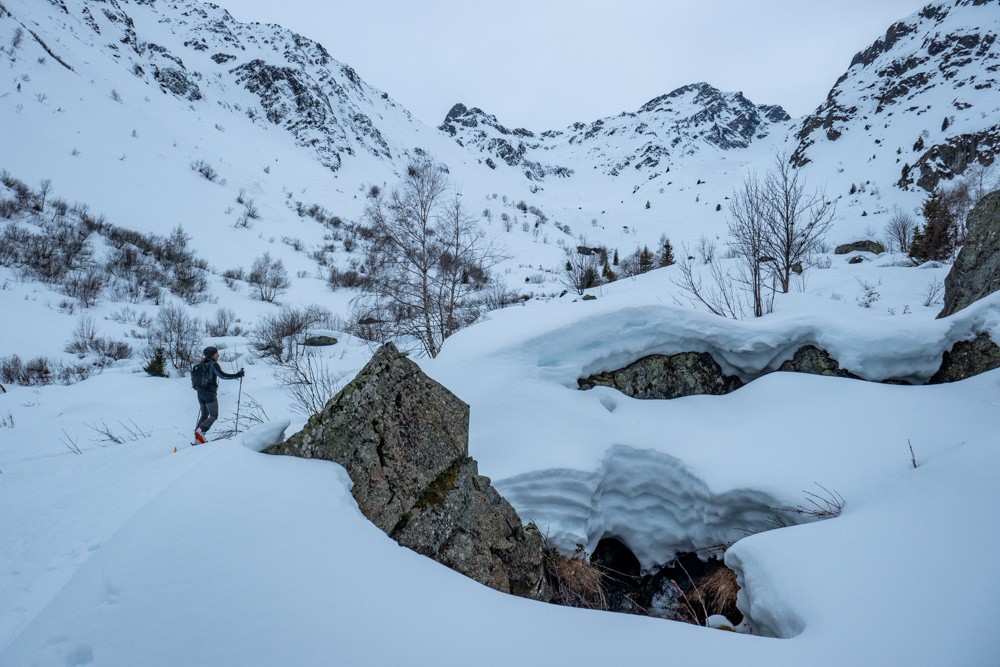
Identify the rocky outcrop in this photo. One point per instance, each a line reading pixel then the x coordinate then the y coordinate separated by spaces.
pixel 967 358
pixel 976 272
pixel 951 158
pixel 873 247
pixel 690 373
pixel 812 360
pixel 661 376
pixel 403 439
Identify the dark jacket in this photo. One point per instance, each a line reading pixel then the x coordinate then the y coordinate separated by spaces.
pixel 210 391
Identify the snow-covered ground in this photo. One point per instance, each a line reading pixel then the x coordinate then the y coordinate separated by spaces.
pixel 149 551
pixel 133 554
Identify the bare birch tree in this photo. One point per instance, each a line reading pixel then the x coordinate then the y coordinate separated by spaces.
pixel 749 213
pixel 795 220
pixel 427 261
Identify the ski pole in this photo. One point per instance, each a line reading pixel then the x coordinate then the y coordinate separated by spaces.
pixel 238 398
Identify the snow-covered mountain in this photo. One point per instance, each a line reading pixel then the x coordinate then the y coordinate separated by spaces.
pixel 666 131
pixel 921 103
pixel 198 53
pixel 170 83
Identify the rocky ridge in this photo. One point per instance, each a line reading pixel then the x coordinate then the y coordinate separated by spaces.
pixel 661 133
pixel 264 73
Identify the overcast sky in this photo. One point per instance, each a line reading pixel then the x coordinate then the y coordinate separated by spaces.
pixel 544 64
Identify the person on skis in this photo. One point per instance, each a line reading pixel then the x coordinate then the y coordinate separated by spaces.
pixel 208 390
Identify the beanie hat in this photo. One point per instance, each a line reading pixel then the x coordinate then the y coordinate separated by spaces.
pixel 210 351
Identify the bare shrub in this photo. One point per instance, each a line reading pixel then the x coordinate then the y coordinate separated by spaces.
pixel 252 414
pixel 224 324
pixel 933 292
pixel 310 382
pixel 40 371
pixel 85 285
pixel 347 278
pixel 205 169
pixel 706 249
pixel 721 297
pixel 177 333
pixel 276 334
pixel 825 504
pixel 269 277
pixel 129 432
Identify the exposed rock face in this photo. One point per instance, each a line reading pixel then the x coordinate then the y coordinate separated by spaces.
pixel 812 360
pixel 968 358
pixel 661 376
pixel 976 272
pixel 462 522
pixel 952 157
pixel 403 438
pixel 873 247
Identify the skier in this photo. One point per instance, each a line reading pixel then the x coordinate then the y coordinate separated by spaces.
pixel 205 376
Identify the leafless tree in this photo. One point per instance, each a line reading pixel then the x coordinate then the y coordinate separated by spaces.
pixel 427 263
pixel 310 382
pixel 582 271
pixel 719 297
pixel 795 220
pixel 899 231
pixel 982 180
pixel 749 231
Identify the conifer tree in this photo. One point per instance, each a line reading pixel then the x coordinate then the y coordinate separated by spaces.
pixel 666 252
pixel 645 259
pixel 936 241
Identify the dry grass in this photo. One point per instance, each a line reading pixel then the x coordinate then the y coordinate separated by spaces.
pixel 712 594
pixel 575 581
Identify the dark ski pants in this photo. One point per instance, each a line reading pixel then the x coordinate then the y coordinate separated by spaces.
pixel 209 413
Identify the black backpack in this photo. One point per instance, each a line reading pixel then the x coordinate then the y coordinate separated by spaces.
pixel 201 375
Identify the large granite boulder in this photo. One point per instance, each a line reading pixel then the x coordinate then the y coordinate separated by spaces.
pixel 967 358
pixel 403 439
pixel 663 376
pixel 976 272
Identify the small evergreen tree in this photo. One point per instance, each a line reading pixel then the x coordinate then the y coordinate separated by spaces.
pixel 936 241
pixel 645 260
pixel 609 275
pixel 157 365
pixel 666 252
pixel 615 261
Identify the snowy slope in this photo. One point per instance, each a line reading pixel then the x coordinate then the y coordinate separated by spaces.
pixel 219 555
